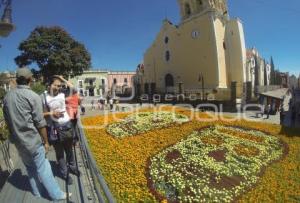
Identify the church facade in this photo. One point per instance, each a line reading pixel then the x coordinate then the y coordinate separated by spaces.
pixel 205 54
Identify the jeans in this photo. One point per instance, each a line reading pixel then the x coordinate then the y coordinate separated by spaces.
pixel 60 148
pixel 75 131
pixel 39 172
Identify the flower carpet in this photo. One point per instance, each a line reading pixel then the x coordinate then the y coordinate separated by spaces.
pixel 145 121
pixel 194 161
pixel 217 163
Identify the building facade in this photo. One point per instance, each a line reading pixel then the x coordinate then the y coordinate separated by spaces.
pixel 103 82
pixel 121 82
pixel 204 54
pixel 293 82
pixel 8 80
pixel 91 83
pixel 258 71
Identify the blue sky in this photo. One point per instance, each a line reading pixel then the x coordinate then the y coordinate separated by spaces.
pixel 117 32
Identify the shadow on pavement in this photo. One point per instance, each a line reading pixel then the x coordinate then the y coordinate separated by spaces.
pixel 3 177
pixel 290 131
pixel 20 181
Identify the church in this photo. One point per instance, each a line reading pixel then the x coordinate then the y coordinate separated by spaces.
pixel 204 54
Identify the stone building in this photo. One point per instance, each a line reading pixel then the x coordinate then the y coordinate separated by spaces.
pixel 258 71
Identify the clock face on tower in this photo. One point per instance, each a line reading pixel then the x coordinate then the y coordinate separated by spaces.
pixel 195 34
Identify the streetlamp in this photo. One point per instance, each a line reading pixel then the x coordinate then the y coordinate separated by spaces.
pixel 201 79
pixel 6 26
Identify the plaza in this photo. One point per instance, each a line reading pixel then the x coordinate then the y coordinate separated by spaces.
pixel 171 101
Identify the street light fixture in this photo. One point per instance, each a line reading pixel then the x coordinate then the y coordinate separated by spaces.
pixel 6 26
pixel 201 79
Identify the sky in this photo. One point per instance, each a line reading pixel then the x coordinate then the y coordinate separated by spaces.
pixel 117 32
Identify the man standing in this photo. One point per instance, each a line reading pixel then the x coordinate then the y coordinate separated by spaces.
pixel 268 109
pixel 23 114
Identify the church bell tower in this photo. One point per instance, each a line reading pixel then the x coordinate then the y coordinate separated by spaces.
pixel 189 8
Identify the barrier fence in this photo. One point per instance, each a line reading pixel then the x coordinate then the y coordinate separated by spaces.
pixel 100 187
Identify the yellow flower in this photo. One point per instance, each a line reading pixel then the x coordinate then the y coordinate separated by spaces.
pixel 123 162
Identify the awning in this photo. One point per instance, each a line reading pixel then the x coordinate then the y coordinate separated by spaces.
pixel 278 94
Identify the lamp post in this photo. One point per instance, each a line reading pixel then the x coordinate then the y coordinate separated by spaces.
pixel 201 79
pixel 6 26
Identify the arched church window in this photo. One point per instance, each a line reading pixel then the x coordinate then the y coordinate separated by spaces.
pixel 188 9
pixel 167 55
pixel 166 40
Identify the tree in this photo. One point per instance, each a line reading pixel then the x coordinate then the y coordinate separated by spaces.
pixel 2 93
pixel 256 70
pixel 36 74
pixel 272 74
pixel 265 74
pixel 278 79
pixel 38 88
pixel 55 52
pixel 4 78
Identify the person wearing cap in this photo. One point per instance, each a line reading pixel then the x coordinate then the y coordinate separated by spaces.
pixel 23 114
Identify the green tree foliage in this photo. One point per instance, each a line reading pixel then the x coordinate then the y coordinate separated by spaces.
pixel 3 78
pixel 273 73
pixel 265 74
pixel 278 78
pixel 55 52
pixel 38 88
pixel 2 93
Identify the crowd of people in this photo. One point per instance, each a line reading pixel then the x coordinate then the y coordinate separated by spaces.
pixel 110 103
pixel 37 121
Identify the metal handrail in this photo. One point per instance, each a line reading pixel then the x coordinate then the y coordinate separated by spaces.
pixel 97 177
pixel 4 148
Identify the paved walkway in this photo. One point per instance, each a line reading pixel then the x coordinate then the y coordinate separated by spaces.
pixel 89 111
pixel 17 188
pixel 249 115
